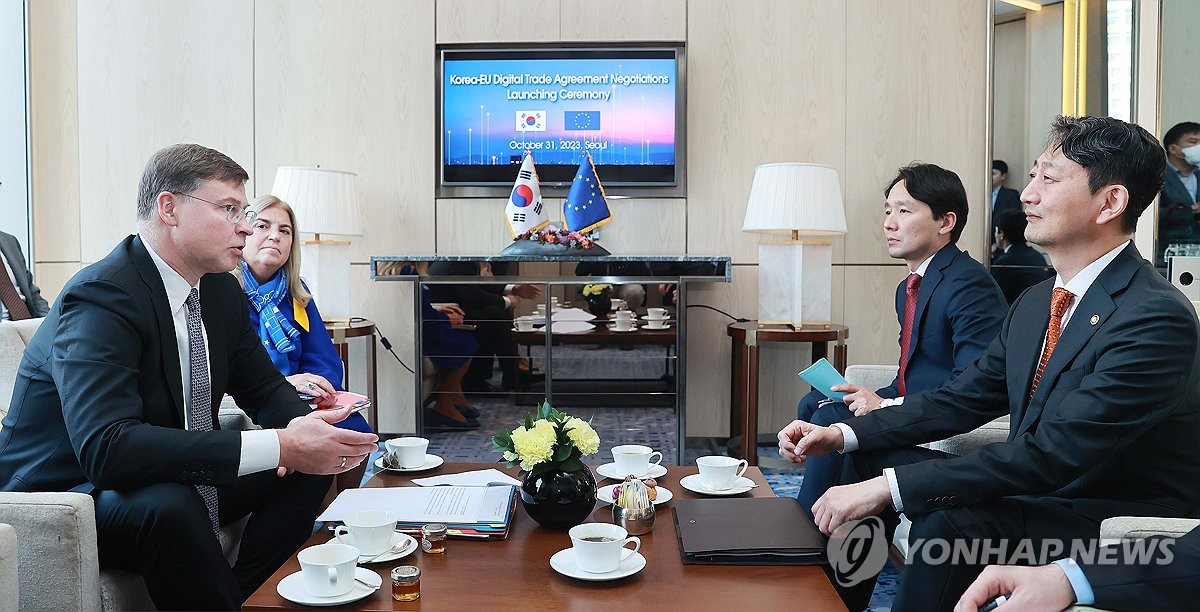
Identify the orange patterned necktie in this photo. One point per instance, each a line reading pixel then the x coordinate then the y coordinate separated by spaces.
pixel 1060 301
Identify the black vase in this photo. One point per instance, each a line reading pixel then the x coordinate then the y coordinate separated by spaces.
pixel 558 499
pixel 599 305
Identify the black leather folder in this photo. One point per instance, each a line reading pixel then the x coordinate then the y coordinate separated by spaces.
pixel 747 531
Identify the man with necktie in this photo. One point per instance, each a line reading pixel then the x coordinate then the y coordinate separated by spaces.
pixel 20 298
pixel 1097 368
pixel 118 391
pixel 949 308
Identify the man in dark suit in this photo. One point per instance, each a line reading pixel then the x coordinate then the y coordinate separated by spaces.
pixel 20 279
pixel 1016 266
pixel 956 310
pixel 1180 201
pixel 1111 580
pixel 1003 198
pixel 1103 391
pixel 118 391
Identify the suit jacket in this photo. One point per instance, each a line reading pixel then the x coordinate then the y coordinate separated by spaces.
pixel 1007 199
pixel 98 401
pixel 1176 221
pixel 1028 268
pixel 1169 586
pixel 16 260
pixel 479 300
pixel 1112 427
pixel 959 312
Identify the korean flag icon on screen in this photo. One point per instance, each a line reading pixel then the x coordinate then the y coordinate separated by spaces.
pixel 531 121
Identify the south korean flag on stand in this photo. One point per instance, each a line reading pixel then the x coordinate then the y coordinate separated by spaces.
pixel 524 210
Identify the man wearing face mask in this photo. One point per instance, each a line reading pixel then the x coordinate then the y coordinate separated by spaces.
pixel 1180 201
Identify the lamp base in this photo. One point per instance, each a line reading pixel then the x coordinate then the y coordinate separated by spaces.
pixel 795 284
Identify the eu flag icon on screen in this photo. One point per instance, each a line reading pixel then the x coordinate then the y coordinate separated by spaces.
pixel 581 120
pixel 585 208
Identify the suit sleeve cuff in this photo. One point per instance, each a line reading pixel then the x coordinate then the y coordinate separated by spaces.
pixel 850 441
pixel 894 488
pixel 1079 582
pixel 260 451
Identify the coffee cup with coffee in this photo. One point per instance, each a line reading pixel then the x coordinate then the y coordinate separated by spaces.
pixel 600 547
pixel 634 459
pixel 408 452
pixel 370 531
pixel 718 472
pixel 328 569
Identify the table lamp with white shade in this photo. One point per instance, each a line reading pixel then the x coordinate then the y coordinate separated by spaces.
pixel 326 204
pixel 803 204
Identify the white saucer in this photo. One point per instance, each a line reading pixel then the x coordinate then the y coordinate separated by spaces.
pixel 563 562
pixel 292 589
pixel 431 461
pixel 613 328
pixel 647 326
pixel 410 546
pixel 525 331
pixel 604 495
pixel 650 318
pixel 609 470
pixel 693 483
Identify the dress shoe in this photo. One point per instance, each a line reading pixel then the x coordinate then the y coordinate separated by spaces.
pixel 436 421
pixel 523 380
pixel 468 411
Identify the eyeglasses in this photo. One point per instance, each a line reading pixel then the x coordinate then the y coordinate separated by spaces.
pixel 233 214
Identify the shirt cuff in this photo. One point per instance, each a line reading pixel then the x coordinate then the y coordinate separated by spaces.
pixel 508 289
pixel 849 440
pixel 1079 582
pixel 260 451
pixel 894 488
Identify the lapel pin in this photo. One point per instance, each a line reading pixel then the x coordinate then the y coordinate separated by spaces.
pixel 1095 319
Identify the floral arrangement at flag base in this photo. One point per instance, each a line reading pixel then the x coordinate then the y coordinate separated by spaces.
pixel 555 241
pixel 558 490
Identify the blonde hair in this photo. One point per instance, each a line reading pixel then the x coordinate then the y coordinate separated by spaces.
pixel 292 266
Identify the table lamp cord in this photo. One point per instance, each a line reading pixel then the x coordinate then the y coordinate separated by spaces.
pixel 736 319
pixel 388 345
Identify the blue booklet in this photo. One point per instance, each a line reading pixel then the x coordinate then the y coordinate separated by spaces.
pixel 821 375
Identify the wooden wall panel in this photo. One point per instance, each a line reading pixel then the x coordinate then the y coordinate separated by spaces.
pixel 708 348
pixel 51 277
pixel 916 90
pixel 1010 109
pixel 152 74
pixel 349 86
pixel 637 20
pixel 1044 35
pixel 468 21
pixel 54 126
pixel 763 87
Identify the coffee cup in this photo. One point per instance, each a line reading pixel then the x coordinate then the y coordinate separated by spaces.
pixel 623 325
pixel 634 459
pixel 600 547
pixel 408 452
pixel 623 315
pixel 718 472
pixel 656 323
pixel 523 324
pixel 328 569
pixel 540 310
pixel 656 313
pixel 619 305
pixel 370 531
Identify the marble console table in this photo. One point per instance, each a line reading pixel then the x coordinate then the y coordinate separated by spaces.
pixel 681 269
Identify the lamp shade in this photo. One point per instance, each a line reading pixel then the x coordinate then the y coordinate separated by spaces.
pixel 325 201
pixel 787 197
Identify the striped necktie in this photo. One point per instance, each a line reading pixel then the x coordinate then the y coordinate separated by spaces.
pixel 17 308
pixel 200 403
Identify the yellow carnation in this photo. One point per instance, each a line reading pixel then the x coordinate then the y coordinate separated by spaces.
pixel 535 445
pixel 582 434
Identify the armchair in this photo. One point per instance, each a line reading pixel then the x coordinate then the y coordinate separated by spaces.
pixel 55 533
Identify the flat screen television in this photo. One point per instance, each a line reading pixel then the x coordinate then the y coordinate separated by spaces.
pixel 623 104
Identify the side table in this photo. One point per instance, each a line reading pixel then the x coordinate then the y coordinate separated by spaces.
pixel 341 333
pixel 743 413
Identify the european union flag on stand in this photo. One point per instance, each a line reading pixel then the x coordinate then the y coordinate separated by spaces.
pixel 581 120
pixel 585 208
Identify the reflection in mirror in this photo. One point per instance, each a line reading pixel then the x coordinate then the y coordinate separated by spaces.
pixel 1178 234
pixel 1050 57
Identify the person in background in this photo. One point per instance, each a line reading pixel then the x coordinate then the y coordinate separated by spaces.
pixel 20 298
pixel 1003 198
pixel 1016 266
pixel 1180 201
pixel 285 315
pixel 450 350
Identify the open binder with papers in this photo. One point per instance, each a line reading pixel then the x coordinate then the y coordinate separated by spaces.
pixel 753 531
pixel 480 512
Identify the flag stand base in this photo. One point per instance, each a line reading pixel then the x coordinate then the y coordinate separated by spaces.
pixel 533 247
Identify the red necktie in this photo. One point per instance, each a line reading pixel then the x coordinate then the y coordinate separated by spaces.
pixel 911 288
pixel 17 309
pixel 1059 302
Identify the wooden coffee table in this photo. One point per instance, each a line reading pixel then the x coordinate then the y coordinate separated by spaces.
pixel 516 574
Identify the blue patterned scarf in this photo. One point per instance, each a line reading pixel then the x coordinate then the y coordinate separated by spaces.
pixel 277 333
